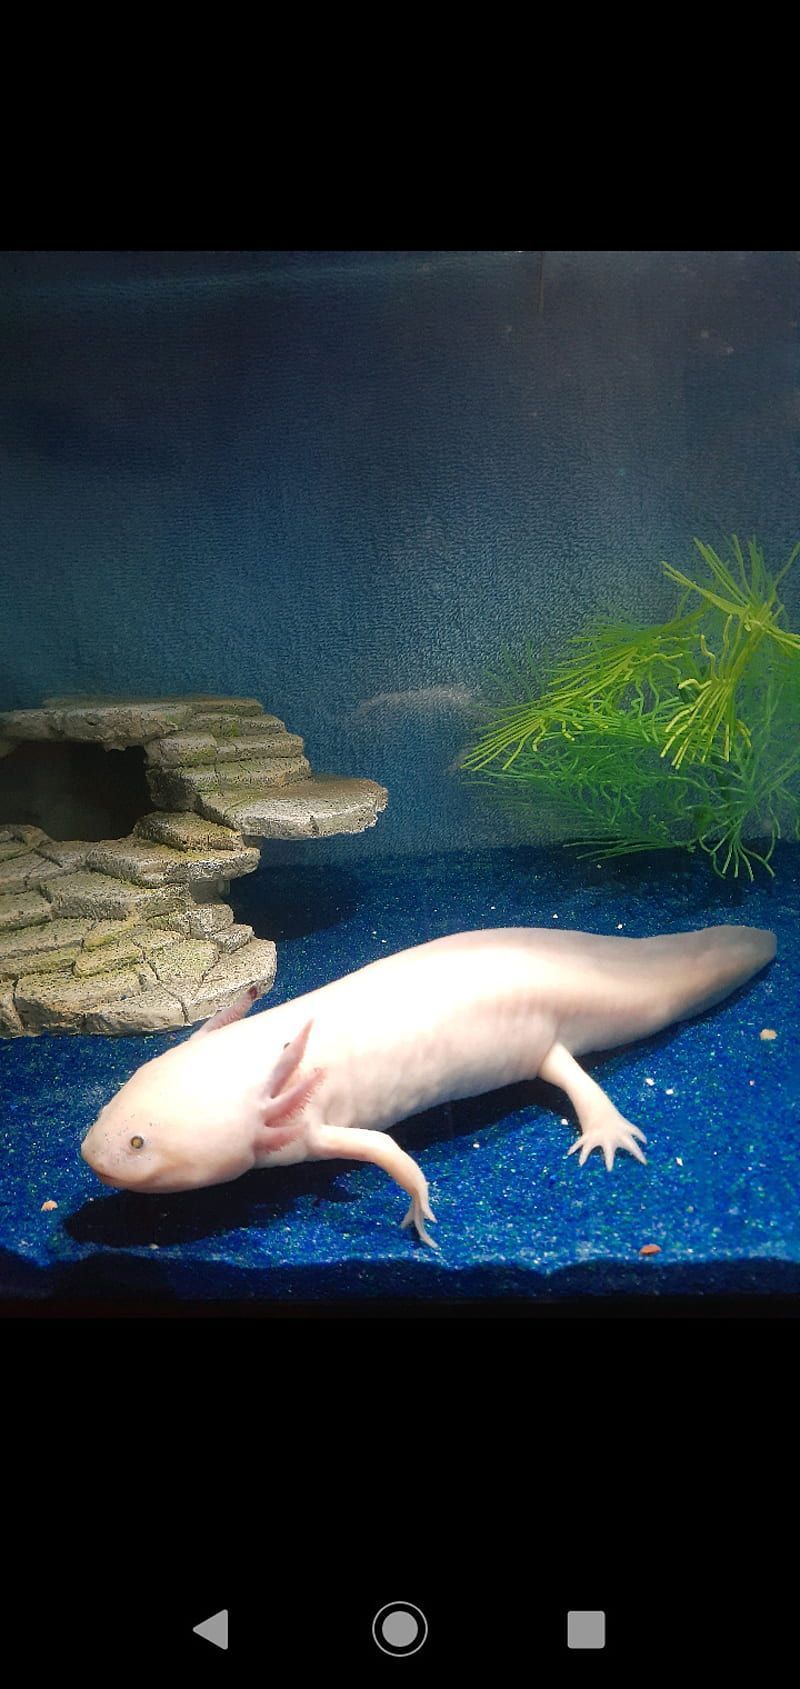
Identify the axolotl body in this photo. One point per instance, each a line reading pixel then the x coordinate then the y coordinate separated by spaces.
pixel 326 1075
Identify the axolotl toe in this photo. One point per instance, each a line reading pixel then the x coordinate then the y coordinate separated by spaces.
pixel 328 1074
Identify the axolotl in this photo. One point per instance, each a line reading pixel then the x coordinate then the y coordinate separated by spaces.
pixel 327 1074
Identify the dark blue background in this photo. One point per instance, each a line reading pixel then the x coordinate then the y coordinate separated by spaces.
pixel 320 477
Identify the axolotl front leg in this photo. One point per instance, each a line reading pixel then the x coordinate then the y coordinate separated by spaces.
pixel 283 1121
pixel 355 1143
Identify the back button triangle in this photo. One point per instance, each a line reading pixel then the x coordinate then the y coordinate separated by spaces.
pixel 214 1629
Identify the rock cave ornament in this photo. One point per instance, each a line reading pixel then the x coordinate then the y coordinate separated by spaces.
pixel 133 934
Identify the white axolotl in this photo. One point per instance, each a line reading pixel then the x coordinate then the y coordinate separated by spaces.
pixel 329 1073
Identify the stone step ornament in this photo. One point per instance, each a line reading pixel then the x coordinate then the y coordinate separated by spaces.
pixel 132 934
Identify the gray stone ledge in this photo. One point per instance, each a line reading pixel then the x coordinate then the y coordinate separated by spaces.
pixel 154 1010
pixel 187 831
pixel 103 897
pixel 24 909
pixel 148 864
pixel 48 1002
pixel 316 808
pixel 254 964
pixel 10 1024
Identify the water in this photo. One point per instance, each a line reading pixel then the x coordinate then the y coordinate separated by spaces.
pixel 343 485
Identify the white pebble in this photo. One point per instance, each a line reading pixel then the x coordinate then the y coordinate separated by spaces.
pixel 649 1081
pixel 679 1159
pixel 670 1091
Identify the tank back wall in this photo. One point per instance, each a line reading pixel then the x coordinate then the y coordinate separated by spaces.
pixel 343 483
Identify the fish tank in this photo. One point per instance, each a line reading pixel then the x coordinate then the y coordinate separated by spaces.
pixel 399 780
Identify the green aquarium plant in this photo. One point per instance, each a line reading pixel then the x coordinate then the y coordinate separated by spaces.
pixel 684 734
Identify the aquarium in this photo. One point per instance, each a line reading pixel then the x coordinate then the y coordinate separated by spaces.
pixel 399 778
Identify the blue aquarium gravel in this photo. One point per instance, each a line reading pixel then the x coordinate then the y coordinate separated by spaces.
pixel 715 1209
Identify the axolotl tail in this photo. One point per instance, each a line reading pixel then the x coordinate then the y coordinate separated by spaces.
pixel 708 965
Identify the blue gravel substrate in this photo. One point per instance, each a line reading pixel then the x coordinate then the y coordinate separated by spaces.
pixel 517 1218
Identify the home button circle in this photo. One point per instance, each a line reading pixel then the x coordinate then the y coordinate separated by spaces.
pixel 399 1629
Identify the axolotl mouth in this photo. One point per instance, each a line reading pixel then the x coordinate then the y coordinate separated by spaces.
pixel 103 1178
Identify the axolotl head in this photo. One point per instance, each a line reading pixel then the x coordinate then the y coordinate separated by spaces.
pixel 189 1118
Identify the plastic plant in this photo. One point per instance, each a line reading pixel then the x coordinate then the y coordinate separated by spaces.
pixel 685 734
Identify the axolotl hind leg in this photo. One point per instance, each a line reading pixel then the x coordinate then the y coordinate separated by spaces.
pixel 603 1127
pixel 353 1143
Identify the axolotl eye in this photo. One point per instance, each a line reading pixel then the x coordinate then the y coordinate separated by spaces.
pixel 137 1142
